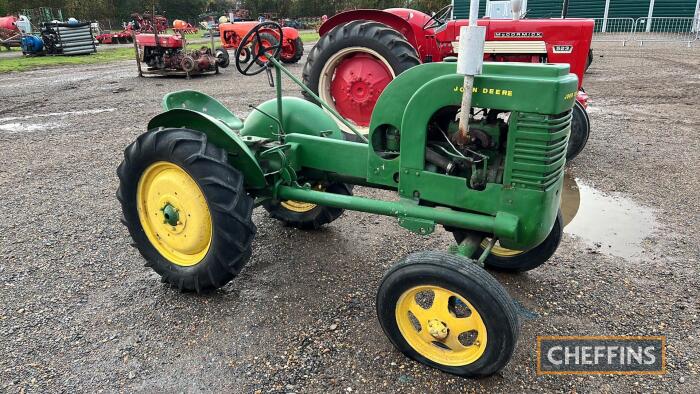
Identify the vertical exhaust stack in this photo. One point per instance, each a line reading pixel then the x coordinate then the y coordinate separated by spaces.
pixel 516 7
pixel 469 63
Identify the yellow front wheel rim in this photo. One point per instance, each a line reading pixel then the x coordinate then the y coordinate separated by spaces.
pixel 447 330
pixel 500 251
pixel 174 213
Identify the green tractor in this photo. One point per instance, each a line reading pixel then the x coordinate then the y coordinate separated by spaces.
pixel 188 187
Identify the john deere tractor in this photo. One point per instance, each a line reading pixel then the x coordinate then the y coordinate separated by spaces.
pixel 478 149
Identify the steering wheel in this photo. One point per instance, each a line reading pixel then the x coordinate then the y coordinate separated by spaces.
pixel 262 49
pixel 439 18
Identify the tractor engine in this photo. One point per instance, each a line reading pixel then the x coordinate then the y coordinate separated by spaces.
pixel 481 160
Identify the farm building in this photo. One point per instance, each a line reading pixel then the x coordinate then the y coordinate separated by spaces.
pixel 593 8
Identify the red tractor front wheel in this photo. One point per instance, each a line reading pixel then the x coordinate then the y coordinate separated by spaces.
pixel 351 65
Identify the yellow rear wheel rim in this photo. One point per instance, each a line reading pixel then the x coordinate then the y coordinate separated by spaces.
pixel 440 326
pixel 174 213
pixel 499 250
pixel 298 206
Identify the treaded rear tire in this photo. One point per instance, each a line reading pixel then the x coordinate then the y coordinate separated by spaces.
pixel 527 260
pixel 230 207
pixel 269 37
pixel 313 219
pixel 580 130
pixel 379 37
pixel 462 276
pixel 298 52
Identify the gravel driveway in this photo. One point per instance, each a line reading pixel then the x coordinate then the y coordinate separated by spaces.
pixel 79 312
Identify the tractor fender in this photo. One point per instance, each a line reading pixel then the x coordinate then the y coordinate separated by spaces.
pixel 412 31
pixel 239 156
pixel 300 116
pixel 290 33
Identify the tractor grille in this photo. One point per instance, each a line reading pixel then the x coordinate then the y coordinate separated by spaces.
pixel 537 150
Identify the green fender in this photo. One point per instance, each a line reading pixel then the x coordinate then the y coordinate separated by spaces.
pixel 300 116
pixel 239 156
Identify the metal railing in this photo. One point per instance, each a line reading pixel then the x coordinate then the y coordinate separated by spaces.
pixel 655 29
pixel 666 29
pixel 614 29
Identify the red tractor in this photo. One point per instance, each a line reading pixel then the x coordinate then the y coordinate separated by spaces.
pixel 361 51
pixel 231 34
pixel 138 24
pixel 165 54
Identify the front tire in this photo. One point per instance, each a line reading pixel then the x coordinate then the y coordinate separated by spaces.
pixel 186 208
pixel 444 311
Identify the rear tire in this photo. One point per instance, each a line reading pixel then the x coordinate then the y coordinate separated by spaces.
pixel 580 130
pixel 229 208
pixel 510 261
pixel 298 52
pixel 271 39
pixel 306 216
pixel 377 37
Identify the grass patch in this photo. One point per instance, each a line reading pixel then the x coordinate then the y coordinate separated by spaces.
pixel 25 63
pixel 310 36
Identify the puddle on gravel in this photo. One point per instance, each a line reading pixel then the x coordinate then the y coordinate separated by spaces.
pixel 610 224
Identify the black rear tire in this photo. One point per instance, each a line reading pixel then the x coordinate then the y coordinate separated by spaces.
pixel 298 52
pixel 313 218
pixel 527 260
pixel 269 37
pixel 221 185
pixel 379 37
pixel 462 277
pixel 580 130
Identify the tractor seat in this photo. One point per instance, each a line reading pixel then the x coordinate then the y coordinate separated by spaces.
pixel 200 102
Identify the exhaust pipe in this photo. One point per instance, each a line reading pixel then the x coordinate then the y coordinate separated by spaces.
pixel 469 62
pixel 516 7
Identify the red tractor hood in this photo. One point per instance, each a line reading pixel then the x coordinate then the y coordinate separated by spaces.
pixel 164 40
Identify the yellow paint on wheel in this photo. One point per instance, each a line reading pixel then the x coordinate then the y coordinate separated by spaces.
pixel 301 206
pixel 298 206
pixel 174 213
pixel 500 251
pixel 437 338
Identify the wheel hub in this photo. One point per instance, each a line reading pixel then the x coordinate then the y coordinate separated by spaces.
pixel 358 81
pixel 170 215
pixel 174 214
pixel 441 330
pixel 437 329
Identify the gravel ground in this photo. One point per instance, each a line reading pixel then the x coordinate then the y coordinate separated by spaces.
pixel 79 312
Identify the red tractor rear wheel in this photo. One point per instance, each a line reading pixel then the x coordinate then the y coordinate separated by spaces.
pixel 351 65
pixel 293 51
pixel 267 40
